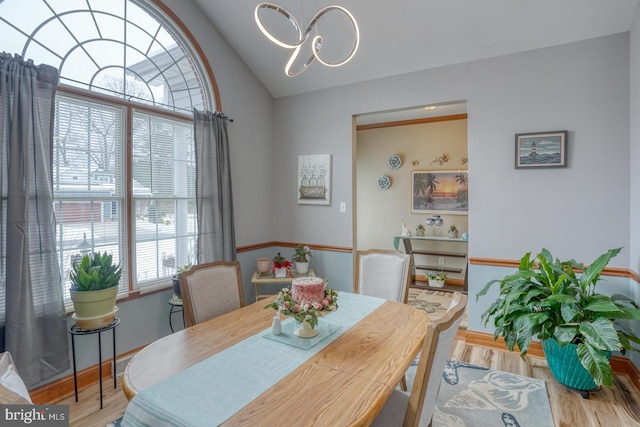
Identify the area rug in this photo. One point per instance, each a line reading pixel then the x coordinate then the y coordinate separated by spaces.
pixel 473 396
pixel 434 303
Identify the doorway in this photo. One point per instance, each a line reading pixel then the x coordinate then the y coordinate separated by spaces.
pixel 390 148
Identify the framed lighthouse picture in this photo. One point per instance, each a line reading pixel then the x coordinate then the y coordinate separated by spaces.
pixel 541 150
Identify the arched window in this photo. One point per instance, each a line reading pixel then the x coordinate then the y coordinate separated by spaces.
pixel 128 72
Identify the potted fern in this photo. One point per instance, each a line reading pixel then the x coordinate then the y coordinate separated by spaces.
pixel 94 288
pixel 578 326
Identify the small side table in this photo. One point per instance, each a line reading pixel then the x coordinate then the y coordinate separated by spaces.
pixel 74 330
pixel 176 307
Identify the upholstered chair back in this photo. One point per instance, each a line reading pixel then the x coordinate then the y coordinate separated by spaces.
pixel 384 274
pixel 209 290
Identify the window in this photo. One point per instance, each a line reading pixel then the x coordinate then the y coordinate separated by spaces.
pixel 88 172
pixel 124 165
pixel 164 196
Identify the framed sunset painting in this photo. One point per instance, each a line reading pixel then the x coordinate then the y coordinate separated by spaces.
pixel 440 191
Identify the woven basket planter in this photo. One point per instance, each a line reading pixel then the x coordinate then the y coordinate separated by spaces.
pixel 566 367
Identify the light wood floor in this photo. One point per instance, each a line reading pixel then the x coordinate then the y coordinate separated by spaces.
pixel 614 406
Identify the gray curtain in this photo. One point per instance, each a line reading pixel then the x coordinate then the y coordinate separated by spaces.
pixel 216 230
pixel 35 317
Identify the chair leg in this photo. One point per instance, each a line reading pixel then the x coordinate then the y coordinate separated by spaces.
pixel 403 383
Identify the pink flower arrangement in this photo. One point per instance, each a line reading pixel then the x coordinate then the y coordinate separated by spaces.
pixel 303 310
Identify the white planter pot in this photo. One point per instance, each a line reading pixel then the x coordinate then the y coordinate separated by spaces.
pixel 436 283
pixel 302 267
pixel 280 272
pixel 263 265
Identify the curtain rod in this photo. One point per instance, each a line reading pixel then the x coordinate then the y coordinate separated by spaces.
pixel 222 115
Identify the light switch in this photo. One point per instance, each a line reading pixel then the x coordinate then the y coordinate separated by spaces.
pixel 343 207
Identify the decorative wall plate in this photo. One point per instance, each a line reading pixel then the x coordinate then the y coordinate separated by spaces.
pixel 394 162
pixel 384 182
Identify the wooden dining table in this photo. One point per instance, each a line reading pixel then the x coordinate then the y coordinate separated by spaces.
pixel 344 384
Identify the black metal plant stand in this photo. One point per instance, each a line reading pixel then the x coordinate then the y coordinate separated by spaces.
pixel 75 330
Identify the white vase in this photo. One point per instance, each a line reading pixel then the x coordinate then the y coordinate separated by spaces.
pixel 281 272
pixel 302 267
pixel 306 331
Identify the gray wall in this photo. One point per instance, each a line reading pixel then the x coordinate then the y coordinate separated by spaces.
pixel 576 212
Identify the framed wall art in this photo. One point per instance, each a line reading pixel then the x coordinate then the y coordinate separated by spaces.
pixel 440 191
pixel 541 150
pixel 314 179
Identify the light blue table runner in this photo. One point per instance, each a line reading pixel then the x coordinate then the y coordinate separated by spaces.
pixel 209 392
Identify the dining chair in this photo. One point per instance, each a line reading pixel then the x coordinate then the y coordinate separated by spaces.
pixel 416 409
pixel 384 274
pixel 209 290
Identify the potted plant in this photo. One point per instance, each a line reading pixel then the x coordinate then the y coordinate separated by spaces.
pixel 437 279
pixel 420 230
pixel 281 266
pixel 453 232
pixel 546 299
pixel 175 280
pixel 94 288
pixel 302 255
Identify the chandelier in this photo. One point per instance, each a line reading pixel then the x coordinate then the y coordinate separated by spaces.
pixel 316 41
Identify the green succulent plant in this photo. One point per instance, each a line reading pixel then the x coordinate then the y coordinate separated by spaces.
pixel 95 271
pixel 547 299
pixel 182 269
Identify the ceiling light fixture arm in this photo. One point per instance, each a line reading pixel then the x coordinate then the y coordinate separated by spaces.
pixel 316 42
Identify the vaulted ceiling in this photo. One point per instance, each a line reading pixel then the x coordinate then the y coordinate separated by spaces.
pixel 402 36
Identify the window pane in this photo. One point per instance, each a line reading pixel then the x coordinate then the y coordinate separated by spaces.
pixel 88 188
pixel 81 23
pixel 85 38
pixel 164 189
pixel 88 226
pixel 165 238
pixel 164 193
pixel 14 12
